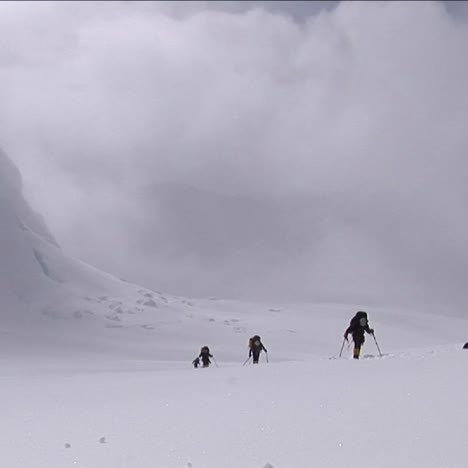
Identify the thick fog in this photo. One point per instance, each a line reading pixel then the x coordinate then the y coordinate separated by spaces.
pixel 257 150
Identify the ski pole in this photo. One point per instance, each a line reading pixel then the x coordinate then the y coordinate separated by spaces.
pixel 214 360
pixel 247 360
pixel 266 355
pixel 377 344
pixel 342 346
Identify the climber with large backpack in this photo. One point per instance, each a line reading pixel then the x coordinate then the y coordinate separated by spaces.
pixel 358 325
pixel 255 348
pixel 205 356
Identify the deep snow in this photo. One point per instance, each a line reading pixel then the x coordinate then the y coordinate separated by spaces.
pixel 407 409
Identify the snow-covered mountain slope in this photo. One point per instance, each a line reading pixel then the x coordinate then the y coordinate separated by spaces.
pixel 53 303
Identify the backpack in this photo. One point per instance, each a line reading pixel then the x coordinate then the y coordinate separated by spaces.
pixel 254 341
pixel 360 318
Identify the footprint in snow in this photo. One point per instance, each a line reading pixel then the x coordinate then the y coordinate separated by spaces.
pixel 150 303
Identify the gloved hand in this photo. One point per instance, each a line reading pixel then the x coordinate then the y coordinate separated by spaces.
pixel 250 353
pixel 371 331
pixel 345 336
pixel 266 350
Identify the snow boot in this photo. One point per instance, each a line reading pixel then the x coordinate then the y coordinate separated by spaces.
pixel 356 352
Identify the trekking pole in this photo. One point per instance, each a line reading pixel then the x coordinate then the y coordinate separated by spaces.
pixel 342 346
pixel 214 360
pixel 266 355
pixel 247 360
pixel 377 344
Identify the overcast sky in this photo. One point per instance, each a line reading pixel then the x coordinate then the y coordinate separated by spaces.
pixel 268 150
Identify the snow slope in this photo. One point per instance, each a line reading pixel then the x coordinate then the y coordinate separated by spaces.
pixel 52 303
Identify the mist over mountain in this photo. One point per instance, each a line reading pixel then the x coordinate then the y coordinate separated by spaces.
pixel 253 150
pixel 298 247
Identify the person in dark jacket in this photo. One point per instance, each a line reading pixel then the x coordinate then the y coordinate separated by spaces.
pixel 196 362
pixel 359 324
pixel 255 348
pixel 465 346
pixel 205 356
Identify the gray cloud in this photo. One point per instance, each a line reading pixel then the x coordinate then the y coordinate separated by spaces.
pixel 248 150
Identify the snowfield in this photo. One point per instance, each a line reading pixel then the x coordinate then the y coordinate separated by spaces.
pixel 407 409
